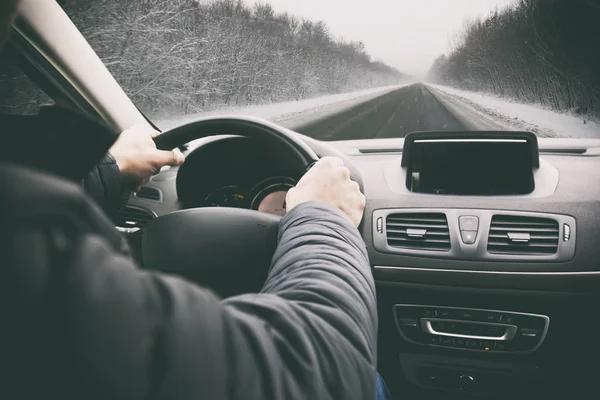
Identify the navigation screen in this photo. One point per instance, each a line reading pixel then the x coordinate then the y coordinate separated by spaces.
pixel 463 167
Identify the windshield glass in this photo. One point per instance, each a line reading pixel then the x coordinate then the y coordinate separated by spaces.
pixel 344 69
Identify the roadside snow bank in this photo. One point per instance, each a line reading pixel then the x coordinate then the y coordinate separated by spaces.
pixel 488 112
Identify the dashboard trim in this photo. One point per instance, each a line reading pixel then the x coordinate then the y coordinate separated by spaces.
pixel 472 271
pixel 576 282
pixel 478 250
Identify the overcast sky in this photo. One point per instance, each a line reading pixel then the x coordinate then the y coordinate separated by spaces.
pixel 407 34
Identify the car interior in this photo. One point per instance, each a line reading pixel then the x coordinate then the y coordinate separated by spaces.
pixel 485 246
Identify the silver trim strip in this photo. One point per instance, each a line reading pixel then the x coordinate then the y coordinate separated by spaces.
pixel 472 271
pixel 509 334
pixel 471 140
pixel 126 228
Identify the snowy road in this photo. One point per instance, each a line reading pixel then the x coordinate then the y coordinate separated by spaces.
pixel 424 107
pixel 393 112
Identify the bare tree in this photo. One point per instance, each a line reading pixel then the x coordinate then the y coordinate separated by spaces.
pixel 539 51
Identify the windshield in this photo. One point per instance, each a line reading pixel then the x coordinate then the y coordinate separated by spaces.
pixel 344 69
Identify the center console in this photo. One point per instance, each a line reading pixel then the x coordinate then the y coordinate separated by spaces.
pixel 476 332
pixel 477 242
pixel 469 329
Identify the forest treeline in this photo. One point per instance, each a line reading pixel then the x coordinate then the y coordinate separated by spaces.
pixel 538 51
pixel 184 56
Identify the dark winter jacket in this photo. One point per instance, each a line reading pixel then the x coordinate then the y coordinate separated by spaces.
pixel 67 144
pixel 80 320
pixel 103 184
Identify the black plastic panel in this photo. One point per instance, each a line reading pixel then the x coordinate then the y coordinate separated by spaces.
pixel 576 193
pixel 478 250
pixel 470 377
pixel 528 137
pixel 545 182
pixel 522 333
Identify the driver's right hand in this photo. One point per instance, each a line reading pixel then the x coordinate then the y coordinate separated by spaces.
pixel 329 181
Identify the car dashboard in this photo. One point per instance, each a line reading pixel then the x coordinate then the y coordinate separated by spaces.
pixel 487 295
pixel 236 172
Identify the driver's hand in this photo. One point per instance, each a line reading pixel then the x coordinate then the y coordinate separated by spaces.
pixel 137 156
pixel 329 181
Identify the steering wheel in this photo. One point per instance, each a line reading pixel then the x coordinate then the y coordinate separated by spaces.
pixel 228 249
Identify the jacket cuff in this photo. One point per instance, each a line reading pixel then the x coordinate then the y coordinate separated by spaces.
pixel 103 184
pixel 317 211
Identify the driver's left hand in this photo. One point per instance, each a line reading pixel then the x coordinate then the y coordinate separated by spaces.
pixel 138 158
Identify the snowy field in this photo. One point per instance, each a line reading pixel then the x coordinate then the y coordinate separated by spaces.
pixel 487 112
pixel 292 113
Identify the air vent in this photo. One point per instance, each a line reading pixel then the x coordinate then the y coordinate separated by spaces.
pixel 134 217
pixel 523 235
pixel 421 231
pixel 150 193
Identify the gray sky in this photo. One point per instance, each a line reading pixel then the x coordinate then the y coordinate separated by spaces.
pixel 407 34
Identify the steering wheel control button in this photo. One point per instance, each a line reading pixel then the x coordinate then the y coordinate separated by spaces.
pixel 468 237
pixel 468 223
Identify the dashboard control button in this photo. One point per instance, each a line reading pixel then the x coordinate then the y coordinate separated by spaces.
pixel 466 383
pixel 487 346
pixel 492 317
pixel 530 333
pixel 468 237
pixel 566 233
pixel 438 326
pixel 507 318
pixel 428 312
pixel 468 223
pixel 409 323
pixel 500 346
pixel 495 331
pixel 444 313
pixel 435 340
pixel 467 314
pixel 491 331
pixel 380 225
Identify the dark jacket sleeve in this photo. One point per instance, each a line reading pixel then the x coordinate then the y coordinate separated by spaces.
pixel 103 184
pixel 310 334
